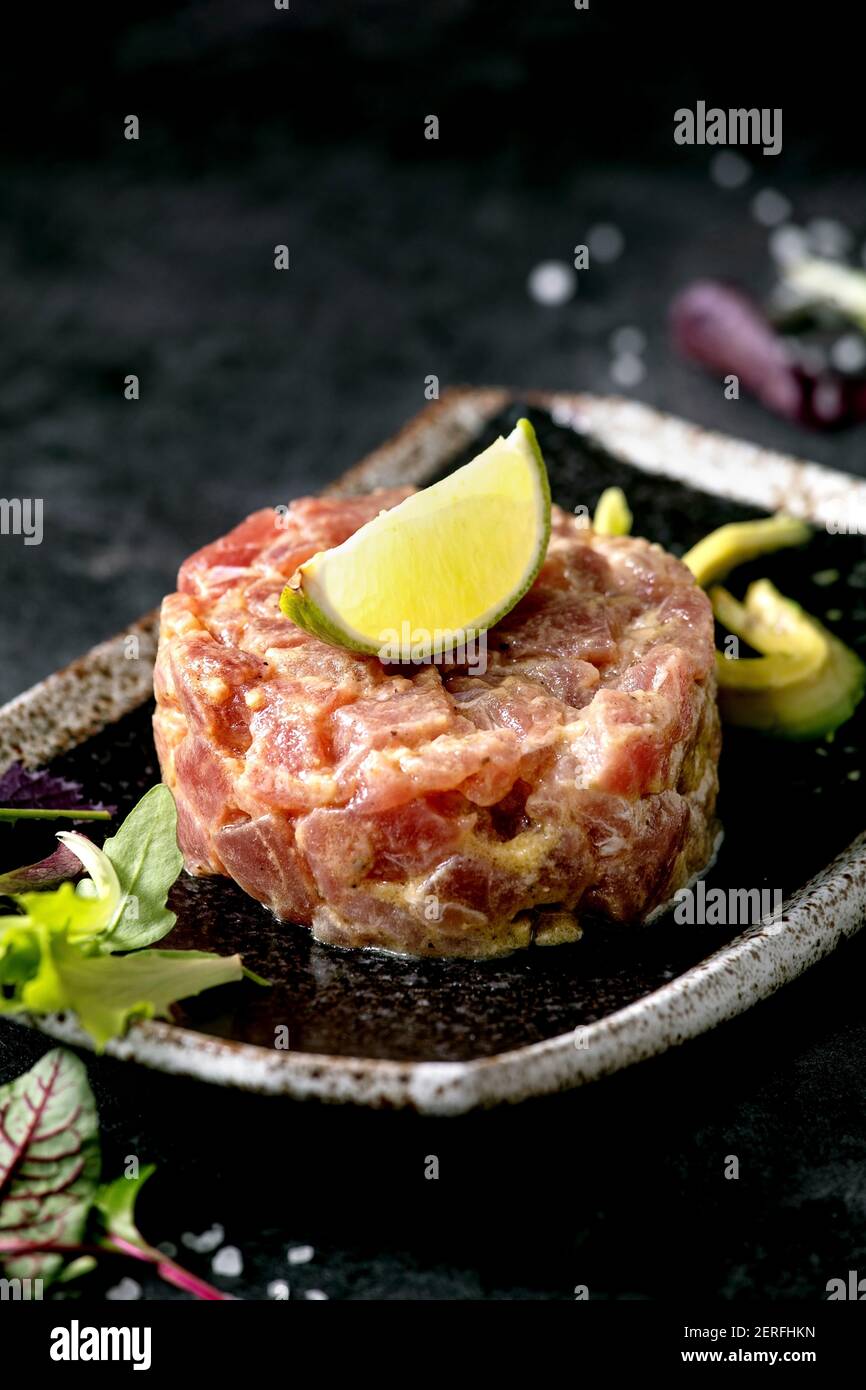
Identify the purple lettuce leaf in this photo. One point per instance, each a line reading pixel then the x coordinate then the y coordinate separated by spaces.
pixel 22 789
pixel 60 865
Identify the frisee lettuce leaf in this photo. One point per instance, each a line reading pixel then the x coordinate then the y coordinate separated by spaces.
pixel 108 992
pixel 63 908
pixel 58 949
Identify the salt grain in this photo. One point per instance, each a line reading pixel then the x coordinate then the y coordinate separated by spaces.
pixel 788 244
pixel 207 1241
pixel 770 208
pixel 828 238
pixel 729 170
pixel 606 242
pixel 300 1254
pixel 552 283
pixel 627 340
pixel 315 1294
pixel 228 1262
pixel 278 1289
pixel 627 369
pixel 124 1292
pixel 849 353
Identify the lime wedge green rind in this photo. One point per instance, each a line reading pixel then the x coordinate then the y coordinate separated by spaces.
pixel 477 537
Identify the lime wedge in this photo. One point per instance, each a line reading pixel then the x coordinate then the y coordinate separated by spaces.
pixel 441 567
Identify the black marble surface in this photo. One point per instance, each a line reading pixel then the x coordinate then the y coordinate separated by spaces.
pixel 257 386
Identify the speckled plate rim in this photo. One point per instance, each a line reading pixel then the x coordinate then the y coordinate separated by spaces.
pixel 112 679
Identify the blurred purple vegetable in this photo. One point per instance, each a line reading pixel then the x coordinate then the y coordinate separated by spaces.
pixel 723 329
pixel 29 792
pixel 60 865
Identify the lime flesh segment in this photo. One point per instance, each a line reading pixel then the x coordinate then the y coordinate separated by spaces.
pixel 449 561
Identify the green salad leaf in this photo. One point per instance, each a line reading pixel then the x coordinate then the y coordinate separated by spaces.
pixel 58 909
pixel 146 860
pixel 115 1202
pixel 108 992
pixel 59 949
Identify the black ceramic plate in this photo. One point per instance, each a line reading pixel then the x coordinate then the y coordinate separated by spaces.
pixel 787 811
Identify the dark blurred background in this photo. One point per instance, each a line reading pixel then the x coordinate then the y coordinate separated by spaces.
pixel 408 256
pixel 412 257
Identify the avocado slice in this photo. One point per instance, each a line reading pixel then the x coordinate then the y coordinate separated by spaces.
pixel 805 685
pixel 722 550
pixel 612 516
pixel 793 646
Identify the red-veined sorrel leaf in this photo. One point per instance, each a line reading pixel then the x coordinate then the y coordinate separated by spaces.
pixel 49 1161
pixel 49 1184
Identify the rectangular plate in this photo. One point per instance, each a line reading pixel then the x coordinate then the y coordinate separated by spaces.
pixel 446 1036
